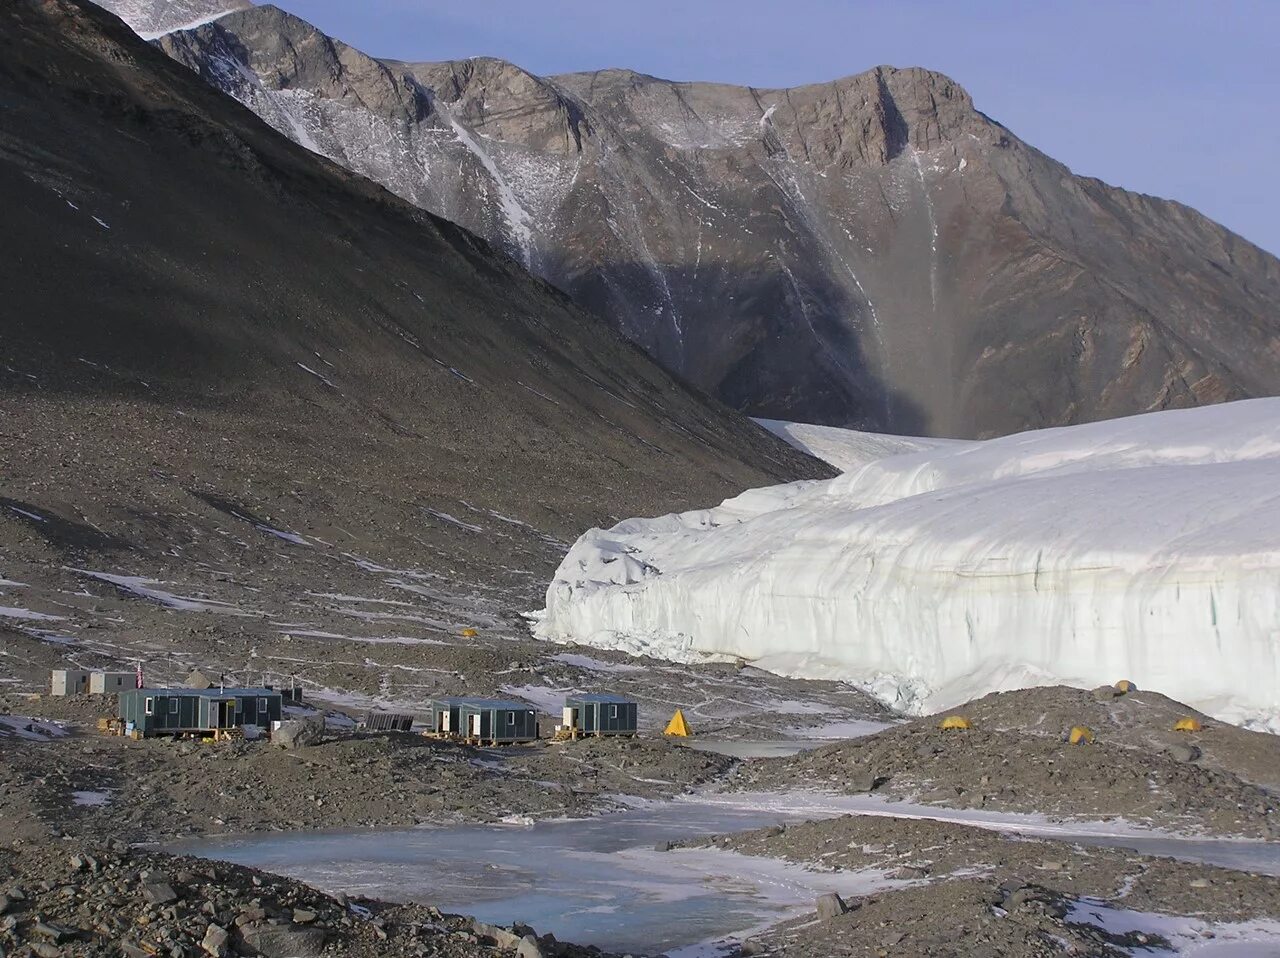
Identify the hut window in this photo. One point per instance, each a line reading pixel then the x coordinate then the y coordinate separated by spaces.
pixel 262 705
pixel 173 706
pixel 149 706
pixel 613 711
pixel 511 718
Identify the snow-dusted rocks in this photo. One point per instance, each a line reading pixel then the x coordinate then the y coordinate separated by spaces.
pixel 1146 548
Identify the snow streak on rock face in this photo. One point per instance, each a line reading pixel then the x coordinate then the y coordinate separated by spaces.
pixel 1145 548
pixel 154 18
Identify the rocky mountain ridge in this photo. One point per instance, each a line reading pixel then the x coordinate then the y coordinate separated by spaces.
pixel 235 376
pixel 871 252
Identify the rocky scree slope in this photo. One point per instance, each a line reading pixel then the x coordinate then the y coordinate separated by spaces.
pixel 222 352
pixel 871 252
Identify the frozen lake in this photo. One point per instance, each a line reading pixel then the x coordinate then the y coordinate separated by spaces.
pixel 596 881
pixel 600 881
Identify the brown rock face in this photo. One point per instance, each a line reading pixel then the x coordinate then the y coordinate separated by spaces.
pixel 871 251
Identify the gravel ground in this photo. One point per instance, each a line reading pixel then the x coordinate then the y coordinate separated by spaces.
pixel 1016 758
pixel 960 891
pixel 976 892
pixel 158 788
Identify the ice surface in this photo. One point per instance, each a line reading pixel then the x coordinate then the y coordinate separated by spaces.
pixel 147 589
pixel 595 881
pixel 1186 936
pixel 600 881
pixel 90 799
pixel 1145 548
pixel 11 612
pixel 30 729
pixel 848 449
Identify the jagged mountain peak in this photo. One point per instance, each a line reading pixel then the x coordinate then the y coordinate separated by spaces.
pixel 870 251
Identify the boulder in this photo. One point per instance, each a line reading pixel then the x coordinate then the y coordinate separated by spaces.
pixel 499 936
pixel 1106 693
pixel 529 948
pixel 865 781
pixel 55 933
pixel 1181 752
pixel 214 942
pixel 297 733
pixel 831 906
pixel 910 873
pixel 160 893
pixel 283 941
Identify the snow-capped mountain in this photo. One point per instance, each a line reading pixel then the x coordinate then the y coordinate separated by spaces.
pixel 872 251
pixel 1141 548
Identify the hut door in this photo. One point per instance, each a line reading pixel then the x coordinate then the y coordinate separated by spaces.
pixel 226 714
pixel 474 721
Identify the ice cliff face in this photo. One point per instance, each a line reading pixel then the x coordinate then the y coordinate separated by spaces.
pixel 1146 548
pixel 870 252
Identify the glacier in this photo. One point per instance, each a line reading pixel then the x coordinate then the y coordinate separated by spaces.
pixel 1145 548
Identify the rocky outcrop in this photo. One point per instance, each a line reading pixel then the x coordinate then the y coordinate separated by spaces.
pixel 871 252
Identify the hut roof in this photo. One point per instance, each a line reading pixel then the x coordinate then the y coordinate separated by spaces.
pixel 215 692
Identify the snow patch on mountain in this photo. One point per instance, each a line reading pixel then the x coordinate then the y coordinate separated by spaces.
pixel 1145 548
pixel 151 19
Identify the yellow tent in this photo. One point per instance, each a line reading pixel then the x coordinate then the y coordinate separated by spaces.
pixel 470 633
pixel 1080 735
pixel 1124 685
pixel 955 721
pixel 1188 723
pixel 678 726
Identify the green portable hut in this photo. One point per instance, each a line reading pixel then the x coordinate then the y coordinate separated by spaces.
pixel 497 721
pixel 601 714
pixel 444 716
pixel 184 711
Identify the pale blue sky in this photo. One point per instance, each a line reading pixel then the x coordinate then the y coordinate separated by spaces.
pixel 1169 97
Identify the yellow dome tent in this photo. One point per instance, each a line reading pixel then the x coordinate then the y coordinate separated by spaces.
pixel 678 726
pixel 955 721
pixel 1124 686
pixel 1188 723
pixel 469 633
pixel 1080 735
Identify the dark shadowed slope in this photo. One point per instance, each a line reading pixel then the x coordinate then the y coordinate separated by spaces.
pixel 223 355
pixel 872 251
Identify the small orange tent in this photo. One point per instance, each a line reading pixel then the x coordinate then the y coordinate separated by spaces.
pixel 954 722
pixel 1188 723
pixel 678 726
pixel 1124 686
pixel 1080 735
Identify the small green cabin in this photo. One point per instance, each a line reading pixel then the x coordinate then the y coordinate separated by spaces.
pixel 180 711
pixel 444 716
pixel 601 714
pixel 484 721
